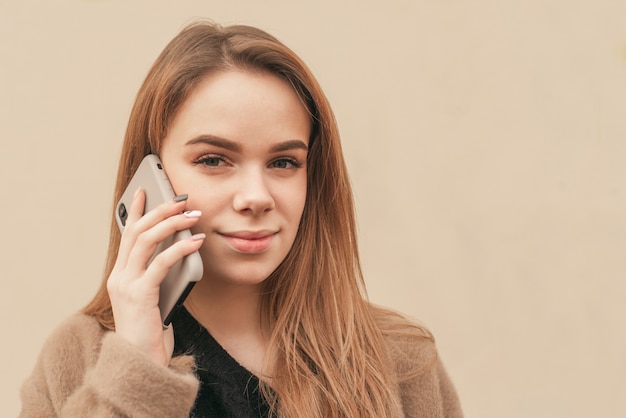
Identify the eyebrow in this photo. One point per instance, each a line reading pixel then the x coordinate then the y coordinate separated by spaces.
pixel 235 147
pixel 215 141
pixel 289 145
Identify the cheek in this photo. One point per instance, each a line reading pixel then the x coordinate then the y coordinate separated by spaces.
pixel 204 195
pixel 300 208
pixel 295 199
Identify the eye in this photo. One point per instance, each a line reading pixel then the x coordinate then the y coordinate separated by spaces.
pixel 211 161
pixel 285 163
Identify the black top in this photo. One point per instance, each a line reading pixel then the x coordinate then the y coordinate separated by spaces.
pixel 227 389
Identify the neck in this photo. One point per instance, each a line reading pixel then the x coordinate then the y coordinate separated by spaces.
pixel 231 313
pixel 226 309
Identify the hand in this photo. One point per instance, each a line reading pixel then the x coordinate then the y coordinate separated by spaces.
pixel 134 285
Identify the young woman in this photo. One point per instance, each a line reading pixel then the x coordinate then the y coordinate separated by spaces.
pixel 279 325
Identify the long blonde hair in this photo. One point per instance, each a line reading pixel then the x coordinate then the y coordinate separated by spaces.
pixel 327 345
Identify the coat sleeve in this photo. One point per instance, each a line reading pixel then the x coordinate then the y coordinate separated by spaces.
pixel 83 371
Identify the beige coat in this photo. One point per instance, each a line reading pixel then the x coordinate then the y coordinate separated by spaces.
pixel 86 371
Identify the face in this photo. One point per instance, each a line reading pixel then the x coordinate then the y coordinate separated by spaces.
pixel 238 148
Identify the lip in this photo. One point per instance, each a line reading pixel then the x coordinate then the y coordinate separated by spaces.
pixel 249 242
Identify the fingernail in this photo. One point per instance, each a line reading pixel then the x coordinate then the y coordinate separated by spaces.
pixel 192 213
pixel 137 192
pixel 181 198
pixel 198 237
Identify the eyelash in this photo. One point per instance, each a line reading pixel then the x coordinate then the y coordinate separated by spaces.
pixel 217 158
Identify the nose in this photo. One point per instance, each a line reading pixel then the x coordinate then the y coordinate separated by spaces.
pixel 253 195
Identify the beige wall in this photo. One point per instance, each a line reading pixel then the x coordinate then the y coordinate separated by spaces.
pixel 486 142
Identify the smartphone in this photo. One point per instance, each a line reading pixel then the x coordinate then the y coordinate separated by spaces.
pixel 151 177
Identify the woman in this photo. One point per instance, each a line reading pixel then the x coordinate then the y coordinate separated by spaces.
pixel 279 325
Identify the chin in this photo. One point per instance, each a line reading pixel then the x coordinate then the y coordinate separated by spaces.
pixel 245 276
pixel 241 269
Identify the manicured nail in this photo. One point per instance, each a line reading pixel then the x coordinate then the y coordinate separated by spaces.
pixel 181 198
pixel 198 237
pixel 192 213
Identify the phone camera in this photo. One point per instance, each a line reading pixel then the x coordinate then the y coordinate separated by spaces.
pixel 122 213
pixel 160 167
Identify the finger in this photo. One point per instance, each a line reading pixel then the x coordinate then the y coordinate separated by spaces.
pixel 162 263
pixel 135 211
pixel 158 214
pixel 148 241
pixel 138 223
pixel 137 206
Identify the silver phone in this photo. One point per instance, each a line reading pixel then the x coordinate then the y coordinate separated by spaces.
pixel 151 177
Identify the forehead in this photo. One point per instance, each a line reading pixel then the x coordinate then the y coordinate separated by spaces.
pixel 242 87
pixel 237 104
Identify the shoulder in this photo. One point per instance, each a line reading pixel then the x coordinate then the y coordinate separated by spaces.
pixel 409 345
pixel 84 367
pixel 81 341
pixel 61 364
pixel 423 384
pixel 78 325
pixel 78 334
pixel 76 341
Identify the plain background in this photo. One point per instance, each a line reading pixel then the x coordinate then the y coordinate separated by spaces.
pixel 486 142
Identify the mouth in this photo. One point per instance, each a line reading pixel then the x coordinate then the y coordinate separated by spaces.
pixel 249 242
